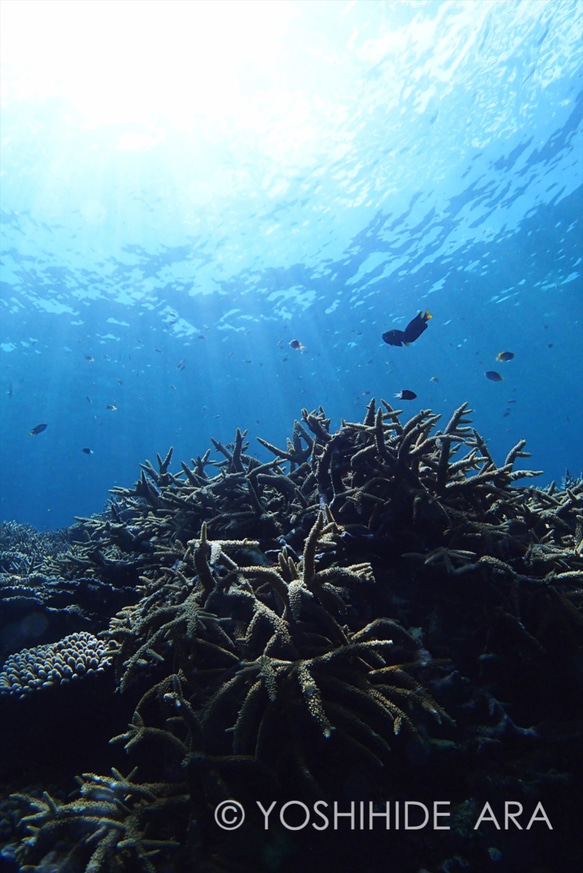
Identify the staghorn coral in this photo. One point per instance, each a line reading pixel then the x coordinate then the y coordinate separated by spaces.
pixel 106 828
pixel 279 710
pixel 262 656
pixel 392 580
pixel 26 552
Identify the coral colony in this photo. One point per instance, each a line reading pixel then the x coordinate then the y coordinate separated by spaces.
pixel 375 629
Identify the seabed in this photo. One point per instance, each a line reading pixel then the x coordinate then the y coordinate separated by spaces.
pixel 375 619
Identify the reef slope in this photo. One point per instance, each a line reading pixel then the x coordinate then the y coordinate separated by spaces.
pixel 374 615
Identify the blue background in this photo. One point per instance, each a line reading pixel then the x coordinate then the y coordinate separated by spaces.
pixel 187 187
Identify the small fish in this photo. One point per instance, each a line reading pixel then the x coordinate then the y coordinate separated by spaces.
pixel 504 356
pixel 89 358
pixel 434 379
pixel 111 407
pixel 181 365
pixel 87 451
pixel 10 391
pixel 296 344
pixel 405 394
pixel 412 332
pixel 38 429
pixel 493 375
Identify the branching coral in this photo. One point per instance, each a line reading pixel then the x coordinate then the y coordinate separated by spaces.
pixel 107 827
pixel 328 605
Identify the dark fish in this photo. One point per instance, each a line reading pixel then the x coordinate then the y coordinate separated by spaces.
pixel 181 365
pixel 89 358
pixel 493 375
pixel 111 407
pixel 405 394
pixel 504 356
pixel 412 332
pixel 416 326
pixel 296 344
pixel 87 451
pixel 394 337
pixel 38 429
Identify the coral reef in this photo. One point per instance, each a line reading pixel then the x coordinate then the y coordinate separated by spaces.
pixel 107 825
pixel 363 616
pixel 44 592
pixel 72 658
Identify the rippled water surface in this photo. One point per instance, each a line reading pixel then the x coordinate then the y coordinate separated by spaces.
pixel 188 187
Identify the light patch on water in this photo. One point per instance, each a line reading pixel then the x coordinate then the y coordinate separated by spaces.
pixel 370 264
pixel 132 141
pixel 301 297
pixel 501 298
pixel 93 212
pixel 54 306
pixel 182 327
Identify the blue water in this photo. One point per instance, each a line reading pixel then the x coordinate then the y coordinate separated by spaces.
pixel 188 187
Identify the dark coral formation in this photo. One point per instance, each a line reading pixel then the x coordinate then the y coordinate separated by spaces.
pixel 373 614
pixel 45 593
pixel 74 657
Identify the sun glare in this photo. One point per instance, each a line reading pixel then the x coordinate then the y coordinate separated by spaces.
pixel 141 61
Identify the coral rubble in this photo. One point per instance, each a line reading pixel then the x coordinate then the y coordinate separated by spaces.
pixel 362 616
